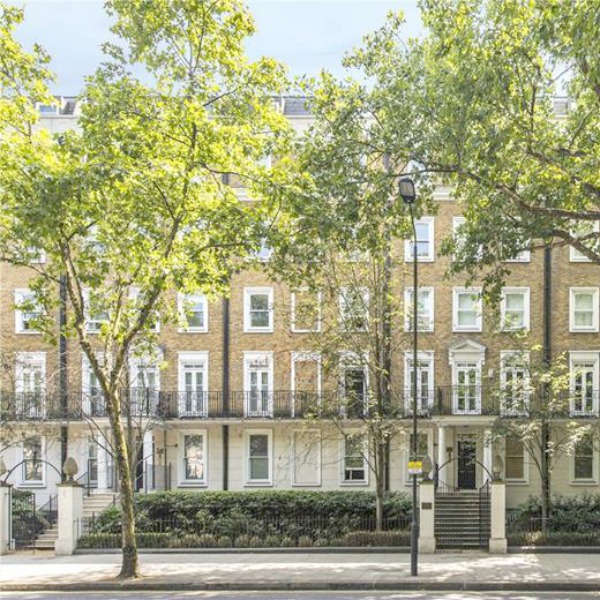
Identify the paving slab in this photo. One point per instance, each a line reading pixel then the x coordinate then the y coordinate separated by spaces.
pixel 304 571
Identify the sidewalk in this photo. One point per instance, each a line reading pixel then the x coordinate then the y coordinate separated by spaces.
pixel 306 571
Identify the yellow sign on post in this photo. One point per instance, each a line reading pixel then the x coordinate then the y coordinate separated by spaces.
pixel 415 467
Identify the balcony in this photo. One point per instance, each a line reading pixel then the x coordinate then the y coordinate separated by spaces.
pixel 29 406
pixel 467 400
pixel 286 404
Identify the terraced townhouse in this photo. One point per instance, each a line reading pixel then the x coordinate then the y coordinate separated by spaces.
pixel 225 409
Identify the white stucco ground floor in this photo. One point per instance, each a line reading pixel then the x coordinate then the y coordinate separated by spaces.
pixel 199 455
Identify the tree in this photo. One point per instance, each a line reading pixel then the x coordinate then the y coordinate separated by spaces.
pixel 535 404
pixel 135 206
pixel 337 235
pixel 347 310
pixel 473 104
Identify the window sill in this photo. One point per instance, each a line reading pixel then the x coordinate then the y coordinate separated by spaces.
pixel 258 484
pixel 517 482
pixel 192 484
pixel 307 485
pixel 25 332
pixel 354 483
pixel 467 330
pixel 193 330
pixel 248 330
pixel 584 482
pixel 32 484
pixel 581 330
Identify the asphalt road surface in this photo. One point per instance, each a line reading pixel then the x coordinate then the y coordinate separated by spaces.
pixel 298 596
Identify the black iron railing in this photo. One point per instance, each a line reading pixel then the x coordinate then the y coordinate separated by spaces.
pixel 283 531
pixel 463 400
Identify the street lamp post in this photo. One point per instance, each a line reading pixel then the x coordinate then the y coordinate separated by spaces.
pixel 406 188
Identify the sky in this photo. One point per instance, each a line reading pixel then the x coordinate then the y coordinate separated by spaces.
pixel 306 35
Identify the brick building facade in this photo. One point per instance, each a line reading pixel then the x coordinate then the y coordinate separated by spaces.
pixel 222 405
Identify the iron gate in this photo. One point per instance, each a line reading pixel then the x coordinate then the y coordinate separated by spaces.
pixel 29 520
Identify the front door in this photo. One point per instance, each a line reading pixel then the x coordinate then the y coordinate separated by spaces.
pixel 466 462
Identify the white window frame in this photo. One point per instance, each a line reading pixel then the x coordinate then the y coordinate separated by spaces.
pixel 317 433
pixel 34 483
pixel 21 296
pixel 198 298
pixel 183 481
pixel 37 256
pixel 150 363
pixel 522 257
pixel 365 458
pixel 248 293
pixel 343 308
pixel 248 433
pixel 265 161
pixel 133 296
pixel 513 360
pixel 587 481
pixel 24 360
pixel 199 358
pixel 525 291
pixel 581 359
pixel 408 243
pixel 425 356
pixel 319 300
pixel 297 357
pixel 251 360
pixel 459 239
pixel 573 292
pixel 478 306
pixel 353 360
pixel 460 356
pixel 86 370
pixel 95 329
pixel 48 110
pixel 427 326
pixel 518 480
pixel 574 254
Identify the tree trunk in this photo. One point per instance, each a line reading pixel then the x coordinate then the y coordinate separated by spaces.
pixel 545 474
pixel 379 485
pixel 129 561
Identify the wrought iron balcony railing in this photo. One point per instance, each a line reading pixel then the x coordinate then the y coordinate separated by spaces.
pixel 139 403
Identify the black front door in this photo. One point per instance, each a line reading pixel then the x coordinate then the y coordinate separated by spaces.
pixel 466 462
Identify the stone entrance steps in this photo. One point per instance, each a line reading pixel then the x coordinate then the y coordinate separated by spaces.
pixel 462 520
pixel 92 505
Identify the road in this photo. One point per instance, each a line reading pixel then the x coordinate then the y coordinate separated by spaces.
pixel 299 596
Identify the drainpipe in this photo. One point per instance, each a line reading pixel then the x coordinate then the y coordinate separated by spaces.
pixel 63 380
pixel 547 347
pixel 547 304
pixel 225 389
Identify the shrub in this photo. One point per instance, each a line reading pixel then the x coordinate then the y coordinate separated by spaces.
pixel 567 515
pixel 254 519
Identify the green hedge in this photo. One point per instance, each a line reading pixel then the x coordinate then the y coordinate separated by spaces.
pixel 255 520
pixel 167 540
pixel 568 515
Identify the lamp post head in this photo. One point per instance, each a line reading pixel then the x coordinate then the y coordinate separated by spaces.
pixel 406 188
